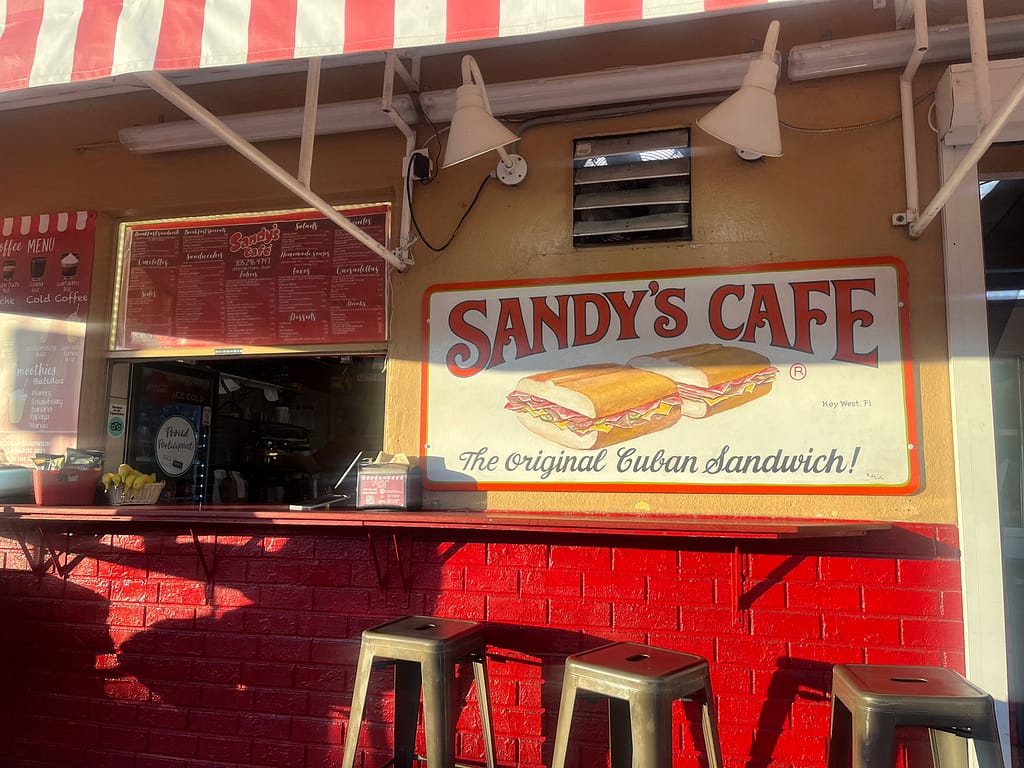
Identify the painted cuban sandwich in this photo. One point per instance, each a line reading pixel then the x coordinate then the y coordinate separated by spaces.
pixel 711 378
pixel 590 407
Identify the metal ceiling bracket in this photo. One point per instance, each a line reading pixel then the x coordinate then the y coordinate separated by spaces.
pixel 989 126
pixel 909 215
pixel 309 121
pixel 200 114
pixel 904 10
pixel 979 148
pixel 393 66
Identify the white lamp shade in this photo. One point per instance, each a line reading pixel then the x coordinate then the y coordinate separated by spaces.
pixel 749 119
pixel 474 131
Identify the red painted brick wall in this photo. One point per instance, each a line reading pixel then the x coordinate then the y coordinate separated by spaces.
pixel 126 664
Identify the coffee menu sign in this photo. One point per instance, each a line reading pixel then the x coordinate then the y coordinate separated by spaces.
pixel 261 282
pixel 45 284
pixel 784 378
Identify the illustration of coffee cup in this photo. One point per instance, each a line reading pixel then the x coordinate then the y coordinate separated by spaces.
pixel 9 266
pixel 69 264
pixel 38 267
pixel 16 405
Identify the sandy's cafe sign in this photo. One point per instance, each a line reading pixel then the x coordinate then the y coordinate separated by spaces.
pixel 791 378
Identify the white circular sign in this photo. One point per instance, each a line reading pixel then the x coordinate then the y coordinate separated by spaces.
pixel 175 446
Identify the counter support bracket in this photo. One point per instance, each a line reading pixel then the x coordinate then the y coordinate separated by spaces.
pixel 381 564
pixel 48 554
pixel 738 583
pixel 40 557
pixel 209 566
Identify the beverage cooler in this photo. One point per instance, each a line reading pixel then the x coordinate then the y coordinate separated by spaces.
pixel 167 412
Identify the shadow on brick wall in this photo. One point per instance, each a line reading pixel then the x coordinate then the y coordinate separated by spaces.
pixel 51 637
pixel 260 667
pixel 538 656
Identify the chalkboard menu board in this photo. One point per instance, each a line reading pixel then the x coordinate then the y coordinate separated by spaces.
pixel 262 282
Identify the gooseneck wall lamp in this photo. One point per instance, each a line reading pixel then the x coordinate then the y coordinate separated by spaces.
pixel 475 131
pixel 749 119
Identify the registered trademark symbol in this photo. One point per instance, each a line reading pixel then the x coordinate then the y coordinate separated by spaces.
pixel 798 372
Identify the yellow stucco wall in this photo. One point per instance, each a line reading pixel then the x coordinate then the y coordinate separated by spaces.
pixel 830 197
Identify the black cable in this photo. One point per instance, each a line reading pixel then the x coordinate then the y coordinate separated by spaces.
pixel 415 96
pixel 858 126
pixel 412 212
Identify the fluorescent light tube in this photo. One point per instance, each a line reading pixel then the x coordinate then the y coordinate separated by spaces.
pixel 893 49
pixel 614 86
pixel 611 86
pixel 344 117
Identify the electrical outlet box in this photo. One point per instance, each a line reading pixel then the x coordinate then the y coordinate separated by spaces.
pixel 421 167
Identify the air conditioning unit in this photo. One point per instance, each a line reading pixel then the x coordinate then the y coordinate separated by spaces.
pixel 956 108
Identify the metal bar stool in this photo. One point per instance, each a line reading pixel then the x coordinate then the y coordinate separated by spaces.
pixel 424 651
pixel 640 683
pixel 870 701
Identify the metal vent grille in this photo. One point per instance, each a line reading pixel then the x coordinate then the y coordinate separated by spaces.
pixel 631 188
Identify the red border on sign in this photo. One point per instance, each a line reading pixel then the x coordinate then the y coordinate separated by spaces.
pixel 909 390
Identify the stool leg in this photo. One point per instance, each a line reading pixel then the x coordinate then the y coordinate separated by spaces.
pixel 483 697
pixel 986 743
pixel 620 733
pixel 438 723
pixel 407 707
pixel 709 722
pixel 840 736
pixel 651 720
pixel 355 716
pixel 565 708
pixel 874 740
pixel 948 749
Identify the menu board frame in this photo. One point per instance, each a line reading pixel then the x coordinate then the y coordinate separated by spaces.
pixel 360 264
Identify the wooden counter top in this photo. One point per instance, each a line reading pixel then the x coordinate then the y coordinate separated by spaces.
pixel 119 518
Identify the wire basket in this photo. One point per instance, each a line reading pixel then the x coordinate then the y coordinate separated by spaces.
pixel 147 494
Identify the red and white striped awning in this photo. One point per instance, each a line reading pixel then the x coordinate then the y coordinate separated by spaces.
pixel 42 224
pixel 46 42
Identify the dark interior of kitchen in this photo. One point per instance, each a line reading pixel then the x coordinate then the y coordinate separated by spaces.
pixel 275 430
pixel 286 428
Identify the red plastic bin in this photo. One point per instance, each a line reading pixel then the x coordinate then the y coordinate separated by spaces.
pixel 65 487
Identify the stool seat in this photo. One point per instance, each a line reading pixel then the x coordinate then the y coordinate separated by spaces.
pixel 413 636
pixel 640 683
pixel 424 651
pixel 869 701
pixel 630 665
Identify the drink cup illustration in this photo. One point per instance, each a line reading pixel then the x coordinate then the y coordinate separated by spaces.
pixel 72 328
pixel 69 265
pixel 38 267
pixel 8 271
pixel 17 405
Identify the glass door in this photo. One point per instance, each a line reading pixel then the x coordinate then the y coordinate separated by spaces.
pixel 1002 219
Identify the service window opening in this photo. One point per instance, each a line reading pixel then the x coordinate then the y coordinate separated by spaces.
pixel 271 430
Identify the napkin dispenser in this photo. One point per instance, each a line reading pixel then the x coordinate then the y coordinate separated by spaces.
pixel 394 484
